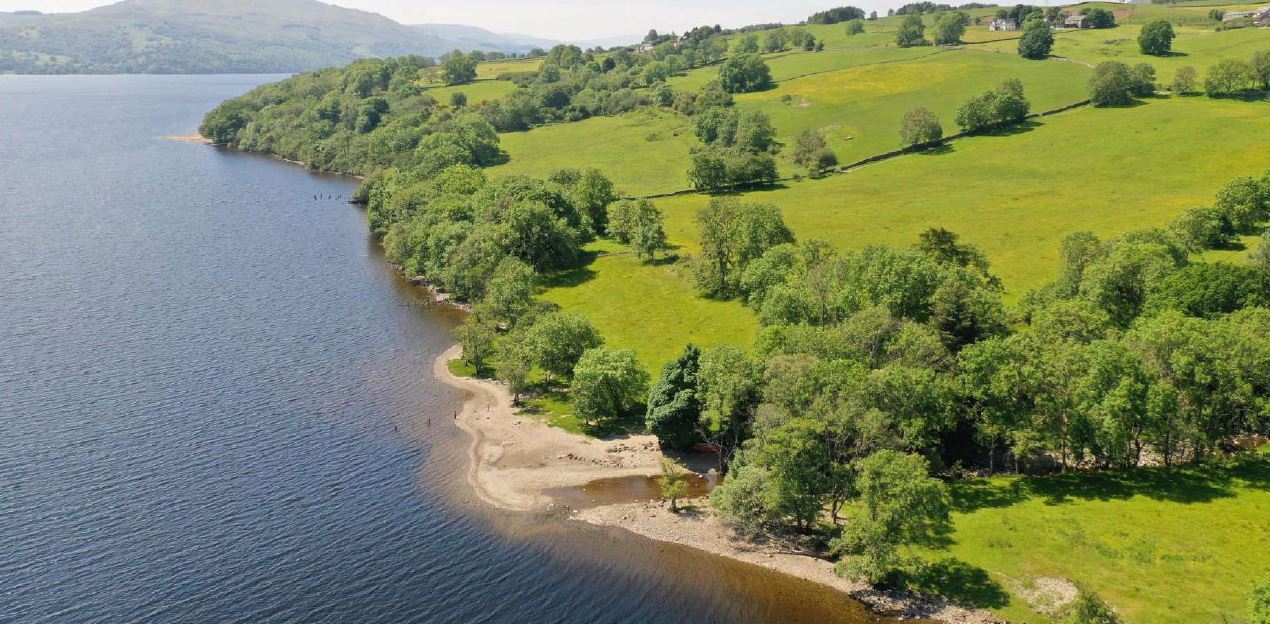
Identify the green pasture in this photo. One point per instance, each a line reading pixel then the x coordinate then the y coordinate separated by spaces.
pixel 476 92
pixel 494 69
pixel 1017 194
pixel 859 109
pixel 644 152
pixel 650 307
pixel 1180 546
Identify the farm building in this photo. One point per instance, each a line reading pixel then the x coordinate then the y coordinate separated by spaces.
pixel 1004 24
pixel 1230 16
pixel 1261 17
pixel 1075 21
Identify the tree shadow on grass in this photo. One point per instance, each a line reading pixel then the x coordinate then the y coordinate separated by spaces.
pixel 959 582
pixel 1188 484
pixel 576 276
pixel 1021 127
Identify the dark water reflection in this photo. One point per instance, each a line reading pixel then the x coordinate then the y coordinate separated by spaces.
pixel 214 400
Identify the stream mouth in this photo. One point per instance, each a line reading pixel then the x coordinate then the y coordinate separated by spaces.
pixel 633 489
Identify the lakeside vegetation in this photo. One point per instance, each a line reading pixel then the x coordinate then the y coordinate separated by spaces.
pixel 1040 296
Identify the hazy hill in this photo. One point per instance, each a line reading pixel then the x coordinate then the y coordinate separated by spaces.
pixel 228 36
pixel 473 38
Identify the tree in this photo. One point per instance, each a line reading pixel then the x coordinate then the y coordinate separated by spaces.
pixel 1185 80
pixel 747 45
pixel 920 127
pixel 607 383
pixel 1143 80
pixel 674 408
pixel 950 27
pixel 899 504
pixel 458 99
pixel 732 235
pixel 515 361
pixel 709 171
pixel 458 69
pixel 558 341
pixel 672 482
pixel 639 224
pixel 1199 229
pixel 477 334
pixel 1261 68
pixel 855 27
pixel 1229 77
pixel 1260 256
pixel 1156 38
pixel 1099 18
pixel 912 32
pixel 510 291
pixel 812 151
pixel 591 196
pixel 1037 40
pixel 1111 84
pixel 1244 202
pixel 745 73
pixel 728 388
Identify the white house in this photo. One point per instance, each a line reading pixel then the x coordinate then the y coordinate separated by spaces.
pixel 1004 24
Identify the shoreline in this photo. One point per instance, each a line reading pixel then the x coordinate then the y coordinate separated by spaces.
pixel 513 459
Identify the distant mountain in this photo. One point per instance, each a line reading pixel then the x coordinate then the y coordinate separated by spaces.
pixel 473 38
pixel 223 36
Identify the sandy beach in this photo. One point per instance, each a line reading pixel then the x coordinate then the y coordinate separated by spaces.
pixel 514 459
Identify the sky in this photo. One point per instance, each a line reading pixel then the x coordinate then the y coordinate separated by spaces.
pixel 558 19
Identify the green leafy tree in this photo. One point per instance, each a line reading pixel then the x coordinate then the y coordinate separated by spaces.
pixel 639 224
pixel 1260 256
pixel 855 27
pixel 510 291
pixel 515 362
pixel 674 408
pixel 1099 18
pixel 459 69
pixel 1199 229
pixel 1229 77
pixel 591 196
pixel 812 151
pixel 728 389
pixel 747 45
pixel 458 99
pixel 607 383
pixel 477 335
pixel 912 32
pixel 1111 84
pixel 1037 40
pixel 709 171
pixel 950 26
pixel 1261 68
pixel 1244 202
pixel 1143 80
pixel 899 504
pixel 558 341
pixel 1185 80
pixel 920 127
pixel 732 235
pixel 745 73
pixel 673 485
pixel 1156 38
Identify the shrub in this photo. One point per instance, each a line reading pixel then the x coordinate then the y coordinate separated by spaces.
pixel 1185 80
pixel 1229 77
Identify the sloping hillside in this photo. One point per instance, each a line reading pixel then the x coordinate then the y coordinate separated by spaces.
pixel 214 36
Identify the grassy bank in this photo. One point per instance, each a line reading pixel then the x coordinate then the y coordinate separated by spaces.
pixel 1161 546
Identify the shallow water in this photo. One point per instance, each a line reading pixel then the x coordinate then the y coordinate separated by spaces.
pixel 216 397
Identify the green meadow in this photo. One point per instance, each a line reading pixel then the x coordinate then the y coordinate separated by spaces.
pixel 650 307
pixel 476 92
pixel 1180 546
pixel 1017 194
pixel 644 152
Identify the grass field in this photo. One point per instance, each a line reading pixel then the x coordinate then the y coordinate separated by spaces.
pixel 476 92
pixel 644 152
pixel 1162 547
pixel 860 108
pixel 1016 196
pixel 649 307
pixel 494 69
